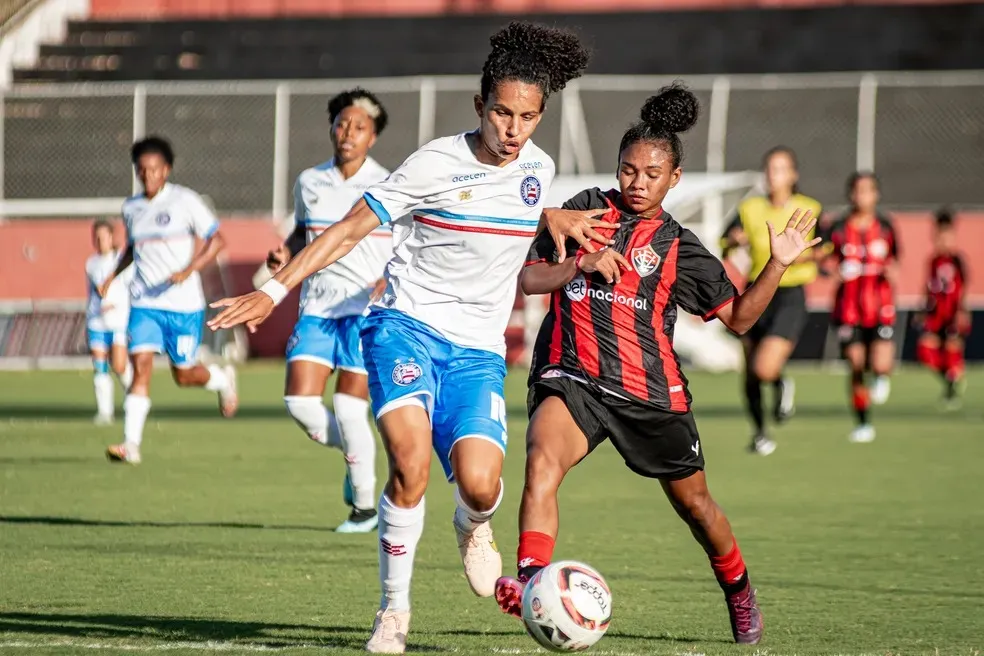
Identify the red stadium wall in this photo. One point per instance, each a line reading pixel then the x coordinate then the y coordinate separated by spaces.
pixel 164 9
pixel 44 260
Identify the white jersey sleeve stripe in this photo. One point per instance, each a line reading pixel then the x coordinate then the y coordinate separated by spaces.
pixel 444 214
pixel 458 227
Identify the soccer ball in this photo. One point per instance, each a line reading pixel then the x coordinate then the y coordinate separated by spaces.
pixel 567 606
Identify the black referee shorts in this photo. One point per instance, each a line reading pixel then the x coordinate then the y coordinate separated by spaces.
pixel 653 443
pixel 784 317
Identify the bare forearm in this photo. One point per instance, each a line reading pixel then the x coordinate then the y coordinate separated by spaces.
pixel 208 253
pixel 750 305
pixel 125 260
pixel 546 277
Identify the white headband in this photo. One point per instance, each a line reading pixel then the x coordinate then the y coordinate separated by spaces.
pixel 370 108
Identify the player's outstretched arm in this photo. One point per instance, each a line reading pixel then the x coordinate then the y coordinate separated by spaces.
pixel 125 260
pixel 330 246
pixel 786 247
pixel 547 277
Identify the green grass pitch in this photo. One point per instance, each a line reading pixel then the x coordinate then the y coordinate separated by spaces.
pixel 221 540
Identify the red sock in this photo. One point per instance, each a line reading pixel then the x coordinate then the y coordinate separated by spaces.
pixel 953 363
pixel 931 356
pixel 535 550
pixel 862 401
pixel 729 569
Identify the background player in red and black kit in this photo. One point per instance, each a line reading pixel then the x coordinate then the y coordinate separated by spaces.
pixel 863 258
pixel 604 365
pixel 946 321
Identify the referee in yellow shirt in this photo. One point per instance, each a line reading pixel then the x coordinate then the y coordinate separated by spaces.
pixel 771 340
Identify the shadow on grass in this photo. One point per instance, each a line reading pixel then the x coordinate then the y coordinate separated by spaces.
pixel 188 629
pixel 614 635
pixel 78 521
pixel 55 412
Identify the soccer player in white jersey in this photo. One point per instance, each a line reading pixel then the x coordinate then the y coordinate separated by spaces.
pixel 335 300
pixel 167 305
pixel 464 208
pixel 105 321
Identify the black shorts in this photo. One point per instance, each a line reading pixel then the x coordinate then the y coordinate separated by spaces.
pixel 848 335
pixel 784 317
pixel 653 443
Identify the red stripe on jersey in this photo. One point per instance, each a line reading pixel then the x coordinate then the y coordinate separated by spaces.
pixel 713 313
pixel 464 228
pixel 374 233
pixel 556 340
pixel 585 339
pixel 629 350
pixel 671 370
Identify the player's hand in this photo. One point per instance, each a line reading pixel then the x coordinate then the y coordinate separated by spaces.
pixel 579 225
pixel 607 262
pixel 251 309
pixel 180 276
pixel 963 321
pixel 105 308
pixel 278 258
pixel 792 241
pixel 378 290
pixel 103 289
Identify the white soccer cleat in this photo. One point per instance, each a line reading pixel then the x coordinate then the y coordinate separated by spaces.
pixel 129 453
pixel 762 445
pixel 862 434
pixel 389 632
pixel 480 556
pixel 229 397
pixel 103 420
pixel 880 390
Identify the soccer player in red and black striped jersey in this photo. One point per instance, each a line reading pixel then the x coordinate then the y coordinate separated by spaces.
pixel 863 257
pixel 604 365
pixel 946 321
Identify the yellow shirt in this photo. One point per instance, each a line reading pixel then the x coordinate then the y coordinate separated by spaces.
pixel 753 214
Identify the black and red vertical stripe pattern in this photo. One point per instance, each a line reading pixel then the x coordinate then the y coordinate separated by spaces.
pixel 865 297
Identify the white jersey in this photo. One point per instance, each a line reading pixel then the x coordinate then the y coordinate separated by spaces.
pixel 323 197
pixel 163 231
pixel 107 314
pixel 459 251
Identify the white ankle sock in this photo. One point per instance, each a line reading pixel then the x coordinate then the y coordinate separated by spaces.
pixel 217 379
pixel 126 378
pixel 103 386
pixel 399 532
pixel 359 446
pixel 315 419
pixel 135 410
pixel 468 518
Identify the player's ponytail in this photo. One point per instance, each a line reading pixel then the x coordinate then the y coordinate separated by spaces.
pixel 545 56
pixel 674 109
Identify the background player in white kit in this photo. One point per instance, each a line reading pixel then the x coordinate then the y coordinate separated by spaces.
pixel 335 300
pixel 105 321
pixel 167 305
pixel 434 343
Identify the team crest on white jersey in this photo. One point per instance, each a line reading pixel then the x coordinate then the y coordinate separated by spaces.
pixel 163 219
pixel 645 260
pixel 529 190
pixel 404 373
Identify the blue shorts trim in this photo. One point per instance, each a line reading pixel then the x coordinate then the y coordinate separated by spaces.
pixel 334 343
pixel 461 388
pixel 179 334
pixel 103 340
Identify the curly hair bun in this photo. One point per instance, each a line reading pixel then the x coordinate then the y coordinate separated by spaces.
pixel 674 108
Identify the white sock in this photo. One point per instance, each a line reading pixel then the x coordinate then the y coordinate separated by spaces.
pixel 359 447
pixel 217 379
pixel 399 532
pixel 315 419
pixel 468 518
pixel 135 410
pixel 103 385
pixel 126 378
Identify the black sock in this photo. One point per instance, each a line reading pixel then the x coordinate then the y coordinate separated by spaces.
pixel 736 587
pixel 527 573
pixel 859 396
pixel 753 401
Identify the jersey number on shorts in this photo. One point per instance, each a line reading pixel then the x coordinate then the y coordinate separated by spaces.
pixel 186 346
pixel 499 413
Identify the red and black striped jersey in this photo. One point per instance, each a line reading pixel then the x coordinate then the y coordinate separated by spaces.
pixel 619 336
pixel 862 252
pixel 945 285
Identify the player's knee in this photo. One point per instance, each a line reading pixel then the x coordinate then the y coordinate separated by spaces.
pixel 765 371
pixel 478 486
pixel 119 366
pixel 183 376
pixel 544 472
pixel 408 482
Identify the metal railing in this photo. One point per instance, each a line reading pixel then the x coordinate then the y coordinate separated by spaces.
pixel 244 142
